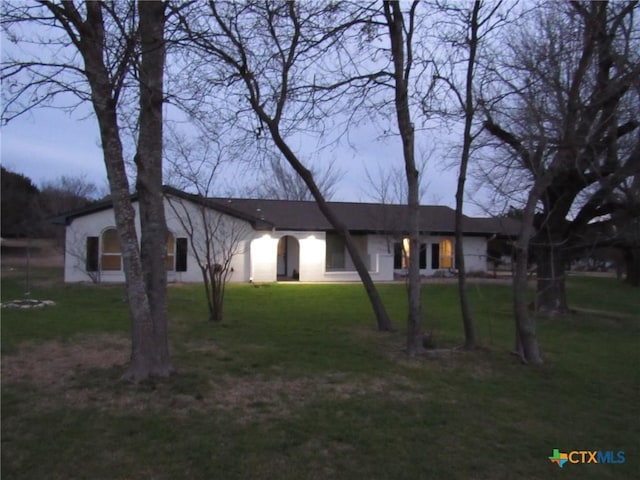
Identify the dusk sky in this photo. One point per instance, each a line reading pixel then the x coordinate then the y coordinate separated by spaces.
pixel 47 143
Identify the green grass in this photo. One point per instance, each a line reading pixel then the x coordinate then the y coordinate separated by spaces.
pixel 296 383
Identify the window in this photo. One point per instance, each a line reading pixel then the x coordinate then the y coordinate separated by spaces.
pixel 335 252
pixel 93 254
pixel 171 252
pixel 423 256
pixel 406 250
pixel 446 253
pixel 435 256
pixel 181 255
pixel 111 258
pixel 401 254
pixel 398 256
pixel 176 253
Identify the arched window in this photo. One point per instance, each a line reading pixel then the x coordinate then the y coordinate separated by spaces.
pixel 111 257
pixel 111 253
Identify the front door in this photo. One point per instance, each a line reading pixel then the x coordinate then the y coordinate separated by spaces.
pixel 288 258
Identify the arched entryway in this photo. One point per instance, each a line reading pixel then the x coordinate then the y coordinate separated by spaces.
pixel 288 258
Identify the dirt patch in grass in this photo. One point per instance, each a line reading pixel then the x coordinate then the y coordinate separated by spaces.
pixel 84 372
pixel 55 363
pixel 258 396
pixel 475 362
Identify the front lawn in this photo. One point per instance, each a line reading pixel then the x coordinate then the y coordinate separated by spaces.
pixel 296 384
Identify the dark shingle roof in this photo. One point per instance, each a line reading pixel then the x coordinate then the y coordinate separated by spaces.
pixel 305 215
pixel 362 217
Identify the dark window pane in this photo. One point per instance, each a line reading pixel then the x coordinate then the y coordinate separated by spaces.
pixel 335 251
pixel 181 254
pixel 397 256
pixel 93 254
pixel 435 256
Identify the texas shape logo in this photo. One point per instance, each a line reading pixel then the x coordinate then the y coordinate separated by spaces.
pixel 559 458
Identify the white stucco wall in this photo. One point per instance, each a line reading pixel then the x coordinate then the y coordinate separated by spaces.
pixel 256 258
pixel 475 253
pixel 93 225
pixel 307 257
pixel 312 258
pixel 376 256
pixel 264 256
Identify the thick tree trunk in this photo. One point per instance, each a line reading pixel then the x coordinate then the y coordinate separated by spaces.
pixel 551 296
pixel 526 339
pixel 632 263
pixel 144 360
pixel 150 343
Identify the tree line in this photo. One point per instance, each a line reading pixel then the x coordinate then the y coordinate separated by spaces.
pixel 544 95
pixel 28 210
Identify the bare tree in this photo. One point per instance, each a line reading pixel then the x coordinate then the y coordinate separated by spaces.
pixel 215 237
pixel 467 104
pixel 401 30
pixel 280 182
pixel 626 220
pixel 466 29
pixel 89 55
pixel 74 187
pixel 264 54
pixel 569 82
pixel 64 194
pixel 612 219
pixel 386 184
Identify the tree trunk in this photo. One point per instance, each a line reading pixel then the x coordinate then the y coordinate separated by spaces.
pixel 395 23
pixel 144 357
pixel 632 263
pixel 150 343
pixel 218 304
pixel 382 318
pixel 465 310
pixel 139 308
pixel 526 339
pixel 551 296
